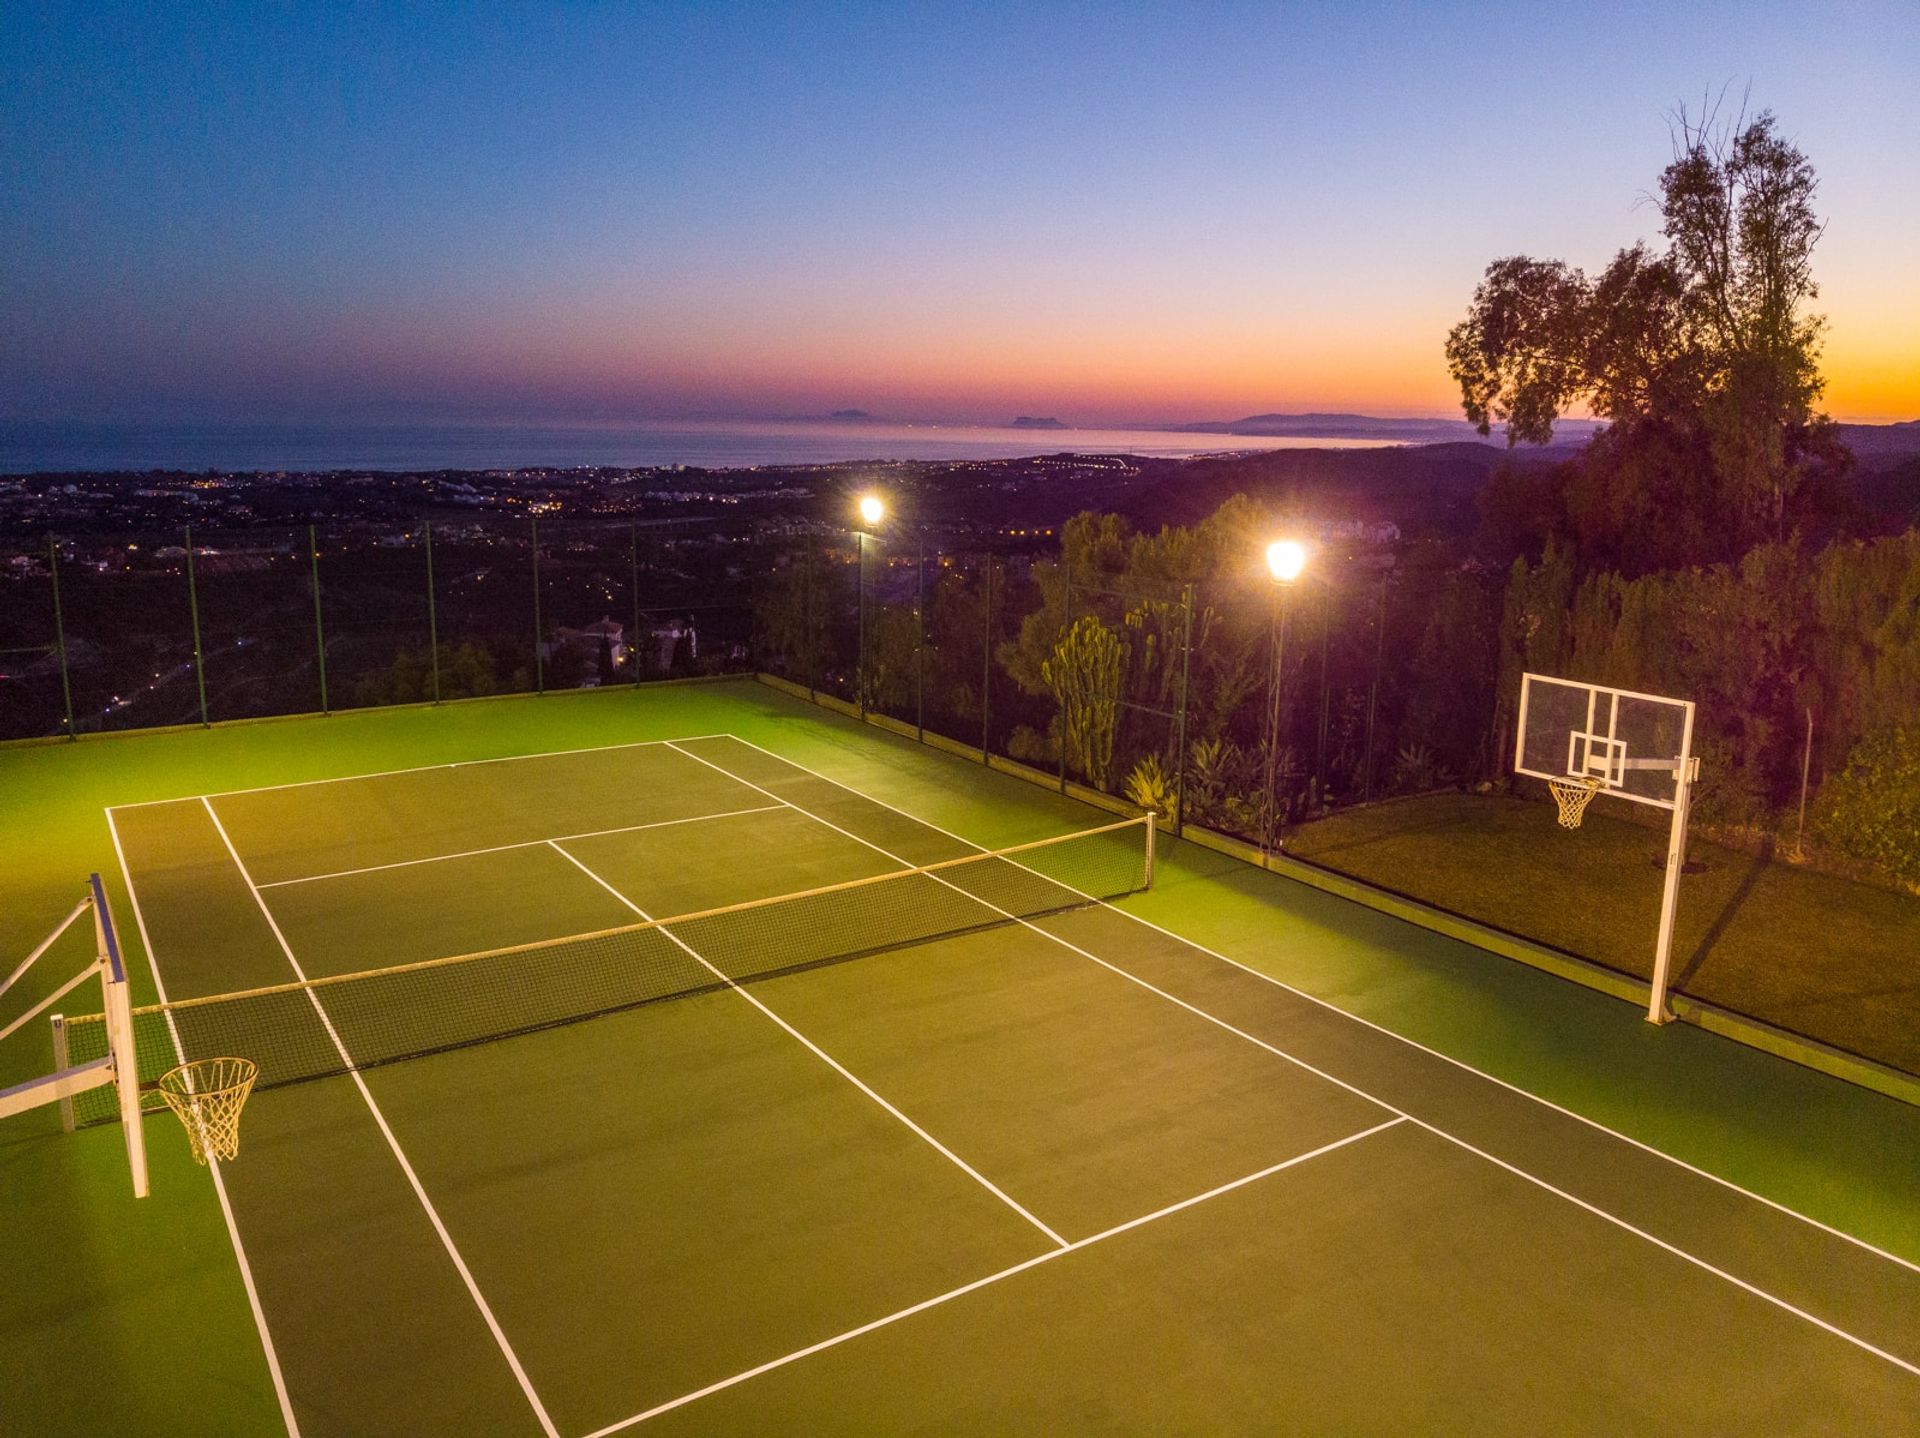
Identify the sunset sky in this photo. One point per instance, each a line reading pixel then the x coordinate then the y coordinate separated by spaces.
pixel 1104 213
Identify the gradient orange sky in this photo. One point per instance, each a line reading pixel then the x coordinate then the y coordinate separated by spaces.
pixel 654 211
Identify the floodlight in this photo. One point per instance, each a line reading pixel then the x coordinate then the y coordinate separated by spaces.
pixel 1286 558
pixel 872 510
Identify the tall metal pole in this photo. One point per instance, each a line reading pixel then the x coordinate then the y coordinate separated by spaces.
pixel 807 646
pixel 1373 688
pixel 1320 748
pixel 920 638
pixel 60 633
pixel 539 629
pixel 860 671
pixel 986 666
pixel 193 607
pixel 633 644
pixel 319 630
pixel 433 620
pixel 1278 621
pixel 1180 727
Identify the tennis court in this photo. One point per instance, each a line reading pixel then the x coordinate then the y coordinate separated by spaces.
pixel 948 1143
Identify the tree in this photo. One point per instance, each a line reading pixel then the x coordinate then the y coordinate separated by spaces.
pixel 1085 672
pixel 1703 359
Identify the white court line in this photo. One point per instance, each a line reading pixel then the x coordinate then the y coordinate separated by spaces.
pixel 420 1192
pixel 988 1184
pixel 991 1278
pixel 415 769
pixel 523 844
pixel 1438 1132
pixel 213 1164
pixel 1318 1002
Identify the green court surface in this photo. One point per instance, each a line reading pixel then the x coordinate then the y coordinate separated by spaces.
pixel 966 1151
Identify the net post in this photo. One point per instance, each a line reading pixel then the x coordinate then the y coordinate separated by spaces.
pixel 118 1011
pixel 60 1061
pixel 1153 829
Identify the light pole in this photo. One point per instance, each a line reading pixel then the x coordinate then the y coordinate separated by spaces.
pixel 872 511
pixel 1285 559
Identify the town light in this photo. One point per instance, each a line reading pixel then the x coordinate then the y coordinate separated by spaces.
pixel 1285 559
pixel 871 509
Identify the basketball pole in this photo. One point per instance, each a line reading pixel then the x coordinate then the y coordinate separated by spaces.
pixel 1657 1011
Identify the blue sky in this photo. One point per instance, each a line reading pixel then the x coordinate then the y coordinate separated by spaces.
pixel 1105 212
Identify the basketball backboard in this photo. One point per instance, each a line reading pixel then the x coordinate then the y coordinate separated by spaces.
pixel 1635 745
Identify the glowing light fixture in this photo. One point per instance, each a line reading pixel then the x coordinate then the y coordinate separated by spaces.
pixel 1286 558
pixel 872 510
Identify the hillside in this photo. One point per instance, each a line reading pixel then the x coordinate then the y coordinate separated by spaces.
pixel 1425 489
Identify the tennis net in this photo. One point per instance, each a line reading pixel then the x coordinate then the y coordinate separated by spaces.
pixel 337 1024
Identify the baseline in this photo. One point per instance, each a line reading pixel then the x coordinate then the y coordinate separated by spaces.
pixel 992 1278
pixel 412 769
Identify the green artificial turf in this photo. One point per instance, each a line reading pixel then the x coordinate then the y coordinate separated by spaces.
pixel 654 1201
pixel 1811 953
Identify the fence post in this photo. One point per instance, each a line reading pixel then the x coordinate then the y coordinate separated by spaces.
pixel 920 640
pixel 1373 689
pixel 433 619
pixel 193 607
pixel 986 668
pixel 633 644
pixel 60 643
pixel 319 630
pixel 1320 749
pixel 1180 726
pixel 1066 623
pixel 807 638
pixel 539 629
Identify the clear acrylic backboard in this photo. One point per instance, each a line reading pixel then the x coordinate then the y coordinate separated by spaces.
pixel 1636 745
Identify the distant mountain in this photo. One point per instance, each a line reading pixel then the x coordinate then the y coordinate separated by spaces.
pixel 1027 421
pixel 1425 489
pixel 1875 445
pixel 854 416
pixel 1364 426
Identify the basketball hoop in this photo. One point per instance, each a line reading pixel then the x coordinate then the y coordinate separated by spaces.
pixel 1573 796
pixel 207 1095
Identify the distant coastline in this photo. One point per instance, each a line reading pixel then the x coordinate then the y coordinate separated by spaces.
pixel 65 448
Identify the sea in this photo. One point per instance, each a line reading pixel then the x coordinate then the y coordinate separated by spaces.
pixel 32 447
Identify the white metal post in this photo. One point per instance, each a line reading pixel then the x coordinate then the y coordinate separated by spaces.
pixel 1153 827
pixel 119 1017
pixel 1657 1011
pixel 59 1063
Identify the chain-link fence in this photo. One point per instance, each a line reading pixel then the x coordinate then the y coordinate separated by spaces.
pixel 1359 718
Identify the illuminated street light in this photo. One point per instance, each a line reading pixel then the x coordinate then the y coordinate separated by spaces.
pixel 872 511
pixel 1286 558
